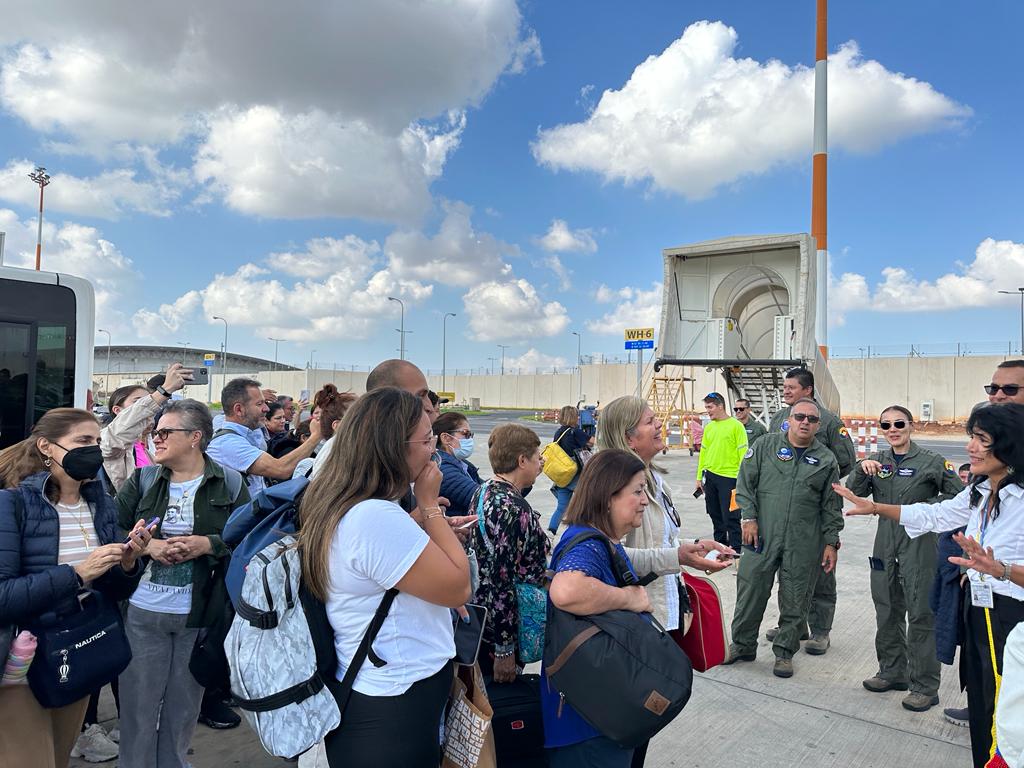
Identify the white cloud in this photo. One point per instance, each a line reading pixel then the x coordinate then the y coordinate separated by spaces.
pixel 533 361
pixel 267 163
pixel 456 255
pixel 77 250
pixel 561 272
pixel 344 110
pixel 561 239
pixel 346 298
pixel 695 117
pixel 634 308
pixel 512 310
pixel 997 265
pixel 108 195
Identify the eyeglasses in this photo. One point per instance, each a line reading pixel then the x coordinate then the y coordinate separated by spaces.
pixel 425 441
pixel 163 434
pixel 1010 390
pixel 899 424
pixel 463 432
pixel 739 408
pixel 808 417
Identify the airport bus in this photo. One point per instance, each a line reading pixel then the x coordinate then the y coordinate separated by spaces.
pixel 47 330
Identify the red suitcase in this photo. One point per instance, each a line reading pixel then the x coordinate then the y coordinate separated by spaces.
pixel 707 642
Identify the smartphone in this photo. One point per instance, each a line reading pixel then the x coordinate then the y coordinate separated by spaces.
pixel 304 395
pixel 200 375
pixel 468 635
pixel 151 525
pixel 462 527
pixel 698 493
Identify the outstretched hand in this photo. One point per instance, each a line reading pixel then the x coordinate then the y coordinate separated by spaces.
pixel 861 506
pixel 976 557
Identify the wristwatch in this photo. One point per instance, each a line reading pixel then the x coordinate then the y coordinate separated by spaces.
pixel 160 389
pixel 836 545
pixel 1007 567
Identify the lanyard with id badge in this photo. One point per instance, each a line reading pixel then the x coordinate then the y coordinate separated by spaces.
pixel 981 592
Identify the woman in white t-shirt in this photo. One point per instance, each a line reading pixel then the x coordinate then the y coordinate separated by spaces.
pixel 357 542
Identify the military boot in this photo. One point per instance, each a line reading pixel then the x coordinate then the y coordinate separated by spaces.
pixel 818 644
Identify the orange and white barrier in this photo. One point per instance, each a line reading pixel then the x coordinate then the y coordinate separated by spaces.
pixel 864 433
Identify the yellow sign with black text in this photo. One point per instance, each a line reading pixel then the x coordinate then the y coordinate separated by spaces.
pixel 639 334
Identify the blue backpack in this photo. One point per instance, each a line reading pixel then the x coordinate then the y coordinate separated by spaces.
pixel 270 516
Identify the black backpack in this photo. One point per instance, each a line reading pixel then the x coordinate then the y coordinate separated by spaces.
pixel 620 670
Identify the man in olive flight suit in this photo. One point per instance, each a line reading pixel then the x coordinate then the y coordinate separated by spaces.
pixel 791 519
pixel 753 427
pixel 902 568
pixel 799 384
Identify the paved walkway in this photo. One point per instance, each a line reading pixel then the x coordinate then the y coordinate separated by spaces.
pixel 742 715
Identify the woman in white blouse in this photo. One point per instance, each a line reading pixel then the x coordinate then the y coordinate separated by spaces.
pixel 993 553
pixel 356 543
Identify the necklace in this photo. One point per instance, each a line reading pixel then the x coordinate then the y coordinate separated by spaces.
pixel 509 482
pixel 78 518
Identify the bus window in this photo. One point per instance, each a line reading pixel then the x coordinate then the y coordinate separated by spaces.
pixel 45 361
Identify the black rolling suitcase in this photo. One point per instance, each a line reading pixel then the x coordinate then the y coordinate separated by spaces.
pixel 517 723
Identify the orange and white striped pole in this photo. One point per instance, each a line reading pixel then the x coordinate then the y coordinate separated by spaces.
pixel 819 208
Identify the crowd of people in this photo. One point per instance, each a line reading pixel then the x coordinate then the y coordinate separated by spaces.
pixel 134 511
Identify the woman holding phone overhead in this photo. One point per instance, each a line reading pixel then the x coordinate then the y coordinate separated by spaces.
pixel 58 534
pixel 992 508
pixel 182 591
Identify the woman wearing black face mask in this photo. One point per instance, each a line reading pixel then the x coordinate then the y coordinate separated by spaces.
pixel 58 533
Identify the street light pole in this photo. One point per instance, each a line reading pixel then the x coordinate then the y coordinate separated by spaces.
pixel 276 342
pixel 311 353
pixel 42 178
pixel 184 353
pixel 579 360
pixel 444 350
pixel 224 356
pixel 106 383
pixel 1010 293
pixel 503 348
pixel 401 330
pixel 491 361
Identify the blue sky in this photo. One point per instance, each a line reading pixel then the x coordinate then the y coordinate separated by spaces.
pixel 521 165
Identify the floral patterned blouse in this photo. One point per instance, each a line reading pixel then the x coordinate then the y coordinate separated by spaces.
pixel 520 554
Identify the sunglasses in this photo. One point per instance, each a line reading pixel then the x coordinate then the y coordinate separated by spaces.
pixel 1010 390
pixel 463 432
pixel 899 424
pixel 740 408
pixel 810 418
pixel 163 434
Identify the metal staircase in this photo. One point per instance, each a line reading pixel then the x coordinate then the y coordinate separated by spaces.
pixel 760 384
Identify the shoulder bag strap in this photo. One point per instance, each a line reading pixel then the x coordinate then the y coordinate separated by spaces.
pixel 147 479
pixel 480 519
pixel 365 649
pixel 233 478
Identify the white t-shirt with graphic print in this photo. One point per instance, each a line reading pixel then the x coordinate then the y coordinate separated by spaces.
pixel 168 588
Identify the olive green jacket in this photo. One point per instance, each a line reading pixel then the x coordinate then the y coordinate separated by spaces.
pixel 754 430
pixel 212 508
pixel 922 476
pixel 832 432
pixel 788 496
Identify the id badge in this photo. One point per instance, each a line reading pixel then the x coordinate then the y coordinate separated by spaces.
pixel 981 595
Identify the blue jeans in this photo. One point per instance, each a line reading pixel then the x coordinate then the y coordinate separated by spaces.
pixel 562 495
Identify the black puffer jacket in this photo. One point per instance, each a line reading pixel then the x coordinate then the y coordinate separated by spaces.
pixel 31 581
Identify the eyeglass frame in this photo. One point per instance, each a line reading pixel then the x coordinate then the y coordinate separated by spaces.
pixel 810 418
pixel 993 389
pixel 898 423
pixel 163 438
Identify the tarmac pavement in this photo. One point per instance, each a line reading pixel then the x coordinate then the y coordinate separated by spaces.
pixel 742 715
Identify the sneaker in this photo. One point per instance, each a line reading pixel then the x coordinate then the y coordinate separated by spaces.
pixel 93 746
pixel 735 654
pixel 772 633
pixel 783 667
pixel 818 644
pixel 114 734
pixel 919 702
pixel 879 684
pixel 957 716
pixel 216 714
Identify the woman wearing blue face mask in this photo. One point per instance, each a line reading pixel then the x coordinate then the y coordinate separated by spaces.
pixel 460 477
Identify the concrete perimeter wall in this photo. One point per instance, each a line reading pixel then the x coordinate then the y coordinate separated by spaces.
pixel 866 385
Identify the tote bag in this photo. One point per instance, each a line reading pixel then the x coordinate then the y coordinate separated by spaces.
pixel 706 642
pixel 468 738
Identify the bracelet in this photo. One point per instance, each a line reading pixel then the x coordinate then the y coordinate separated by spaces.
pixel 503 654
pixel 434 512
pixel 1007 568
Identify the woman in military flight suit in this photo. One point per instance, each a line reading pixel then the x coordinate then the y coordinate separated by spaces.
pixel 902 568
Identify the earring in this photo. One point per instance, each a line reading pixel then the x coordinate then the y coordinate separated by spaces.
pixel 1010 470
pixel 47 462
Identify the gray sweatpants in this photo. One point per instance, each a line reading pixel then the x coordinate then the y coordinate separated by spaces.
pixel 159 697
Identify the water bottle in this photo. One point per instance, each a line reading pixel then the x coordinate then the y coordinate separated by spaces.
pixel 23 650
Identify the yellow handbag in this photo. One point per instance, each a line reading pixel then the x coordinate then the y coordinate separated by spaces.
pixel 559 465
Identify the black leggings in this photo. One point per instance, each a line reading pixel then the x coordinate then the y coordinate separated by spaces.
pixel 392 731
pixel 91 715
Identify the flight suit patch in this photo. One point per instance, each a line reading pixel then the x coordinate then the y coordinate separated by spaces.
pixel 749 453
pixel 885 472
pixel 812 460
pixel 950 468
pixel 844 432
pixel 785 426
pixel 785 454
pixel 906 472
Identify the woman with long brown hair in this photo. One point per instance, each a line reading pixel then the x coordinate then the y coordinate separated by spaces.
pixel 356 543
pixel 58 534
